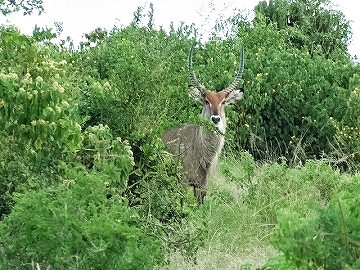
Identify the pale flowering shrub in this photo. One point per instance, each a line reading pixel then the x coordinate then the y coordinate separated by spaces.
pixel 39 127
pixel 13 76
pixel 51 68
pixel 39 109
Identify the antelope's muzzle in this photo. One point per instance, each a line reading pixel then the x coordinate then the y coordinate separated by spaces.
pixel 216 119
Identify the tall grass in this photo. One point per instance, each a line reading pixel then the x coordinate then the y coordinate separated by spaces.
pixel 242 207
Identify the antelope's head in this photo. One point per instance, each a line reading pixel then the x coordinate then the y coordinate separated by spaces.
pixel 214 102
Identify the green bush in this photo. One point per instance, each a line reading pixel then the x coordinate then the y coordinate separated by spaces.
pixel 135 88
pixel 102 153
pixel 39 112
pixel 21 171
pixel 37 102
pixel 38 115
pixel 292 97
pixel 13 171
pixel 318 24
pixel 74 226
pixel 326 238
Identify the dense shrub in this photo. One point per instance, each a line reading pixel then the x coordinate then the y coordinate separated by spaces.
pixel 73 225
pixel 37 103
pixel 97 85
pixel 294 101
pixel 138 91
pixel 38 115
pixel 318 24
pixel 102 153
pixel 325 238
pixel 13 171
pixel 135 88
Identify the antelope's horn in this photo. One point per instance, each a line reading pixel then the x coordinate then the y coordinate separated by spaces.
pixel 239 74
pixel 192 75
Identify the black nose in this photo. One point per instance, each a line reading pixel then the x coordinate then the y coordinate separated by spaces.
pixel 216 119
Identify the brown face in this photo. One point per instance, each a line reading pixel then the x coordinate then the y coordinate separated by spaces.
pixel 214 105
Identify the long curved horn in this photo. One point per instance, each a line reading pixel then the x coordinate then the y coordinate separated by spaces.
pixel 239 73
pixel 192 75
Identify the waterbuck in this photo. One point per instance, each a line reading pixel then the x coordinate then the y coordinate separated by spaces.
pixel 196 146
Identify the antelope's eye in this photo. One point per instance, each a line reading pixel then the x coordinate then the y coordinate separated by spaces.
pixel 223 102
pixel 206 102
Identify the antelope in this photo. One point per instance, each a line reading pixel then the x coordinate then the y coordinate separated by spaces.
pixel 197 147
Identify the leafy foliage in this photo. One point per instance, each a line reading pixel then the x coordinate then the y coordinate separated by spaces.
pixel 38 116
pixel 112 157
pixel 36 101
pixel 9 6
pixel 142 81
pixel 132 90
pixel 326 238
pixel 74 226
pixel 318 24
pixel 53 98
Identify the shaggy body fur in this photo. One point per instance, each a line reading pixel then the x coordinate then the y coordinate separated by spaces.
pixel 198 151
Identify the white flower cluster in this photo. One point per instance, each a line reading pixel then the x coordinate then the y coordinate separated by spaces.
pixel 9 77
pixel 128 150
pixel 27 80
pixel 58 87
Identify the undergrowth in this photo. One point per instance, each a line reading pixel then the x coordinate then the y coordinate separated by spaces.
pixel 249 205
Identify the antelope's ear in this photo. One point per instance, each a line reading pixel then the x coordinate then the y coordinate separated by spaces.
pixel 196 94
pixel 234 96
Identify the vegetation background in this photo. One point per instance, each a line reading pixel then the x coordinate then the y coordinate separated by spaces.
pixel 86 183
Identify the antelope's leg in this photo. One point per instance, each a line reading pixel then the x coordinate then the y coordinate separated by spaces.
pixel 200 194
